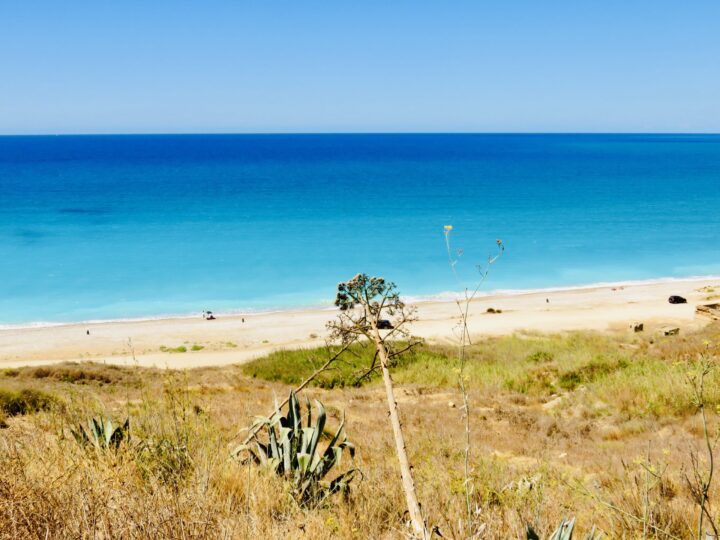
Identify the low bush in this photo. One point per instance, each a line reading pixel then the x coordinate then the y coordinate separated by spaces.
pixel 180 349
pixel 25 401
pixel 71 375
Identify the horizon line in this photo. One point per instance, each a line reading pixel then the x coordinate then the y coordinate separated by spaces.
pixel 321 133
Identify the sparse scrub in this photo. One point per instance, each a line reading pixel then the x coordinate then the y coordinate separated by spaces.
pixel 529 465
pixel 72 375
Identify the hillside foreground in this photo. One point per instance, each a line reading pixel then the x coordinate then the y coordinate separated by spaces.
pixel 602 426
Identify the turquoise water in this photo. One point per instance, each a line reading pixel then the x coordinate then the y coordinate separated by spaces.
pixel 104 227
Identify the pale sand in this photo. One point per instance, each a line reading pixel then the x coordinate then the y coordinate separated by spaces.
pixel 599 308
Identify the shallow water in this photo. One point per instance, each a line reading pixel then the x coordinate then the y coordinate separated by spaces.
pixel 103 227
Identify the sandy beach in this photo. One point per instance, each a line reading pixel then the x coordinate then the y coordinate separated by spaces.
pixel 229 340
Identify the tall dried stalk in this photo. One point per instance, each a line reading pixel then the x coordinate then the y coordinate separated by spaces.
pixel 364 302
pixel 464 340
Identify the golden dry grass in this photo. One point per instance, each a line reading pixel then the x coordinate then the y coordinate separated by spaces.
pixel 562 425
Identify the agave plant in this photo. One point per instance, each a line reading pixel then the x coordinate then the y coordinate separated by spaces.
pixel 292 451
pixel 100 434
pixel 565 532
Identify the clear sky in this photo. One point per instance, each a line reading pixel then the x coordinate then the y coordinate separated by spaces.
pixel 164 66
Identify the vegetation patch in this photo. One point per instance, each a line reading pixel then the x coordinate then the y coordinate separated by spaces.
pixel 25 401
pixel 589 373
pixel 540 357
pixel 73 375
pixel 172 350
pixel 294 366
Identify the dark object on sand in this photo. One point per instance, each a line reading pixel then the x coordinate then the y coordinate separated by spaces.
pixel 670 331
pixel 208 316
pixel 493 310
pixel 677 300
pixel 384 324
pixel 637 327
pixel 87 332
pixel 547 300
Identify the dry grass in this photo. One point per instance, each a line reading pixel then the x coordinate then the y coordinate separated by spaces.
pixel 563 425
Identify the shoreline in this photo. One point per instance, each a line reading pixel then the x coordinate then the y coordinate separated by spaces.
pixel 445 296
pixel 228 340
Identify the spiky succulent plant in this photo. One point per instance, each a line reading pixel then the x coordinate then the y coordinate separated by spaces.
pixel 101 435
pixel 293 450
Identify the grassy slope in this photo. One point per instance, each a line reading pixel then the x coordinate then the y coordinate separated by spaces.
pixel 555 419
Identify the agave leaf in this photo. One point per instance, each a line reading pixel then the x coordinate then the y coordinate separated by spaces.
pixel 286 445
pixel 564 530
pixel 240 448
pixel 263 453
pixel 96 429
pixel 290 418
pixel 80 435
pixel 309 411
pixel 306 439
pixel 107 432
pixel 274 463
pixel 316 461
pixel 336 437
pixel 304 462
pixel 342 482
pixel 264 449
pixel 349 446
pixel 274 451
pixel 119 434
pixel 319 427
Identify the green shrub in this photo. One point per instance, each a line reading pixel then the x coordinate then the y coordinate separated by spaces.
pixel 180 349
pixel 539 357
pixel 26 401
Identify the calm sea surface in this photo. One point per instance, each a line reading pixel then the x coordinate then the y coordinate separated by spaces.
pixel 103 227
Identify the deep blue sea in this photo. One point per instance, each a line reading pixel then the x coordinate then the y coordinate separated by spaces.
pixel 105 227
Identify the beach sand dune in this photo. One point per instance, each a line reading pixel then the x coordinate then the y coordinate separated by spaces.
pixel 229 340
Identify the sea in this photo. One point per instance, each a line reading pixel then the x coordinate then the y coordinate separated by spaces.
pixel 143 226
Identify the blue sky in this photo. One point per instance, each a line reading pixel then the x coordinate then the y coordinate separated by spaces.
pixel 337 66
